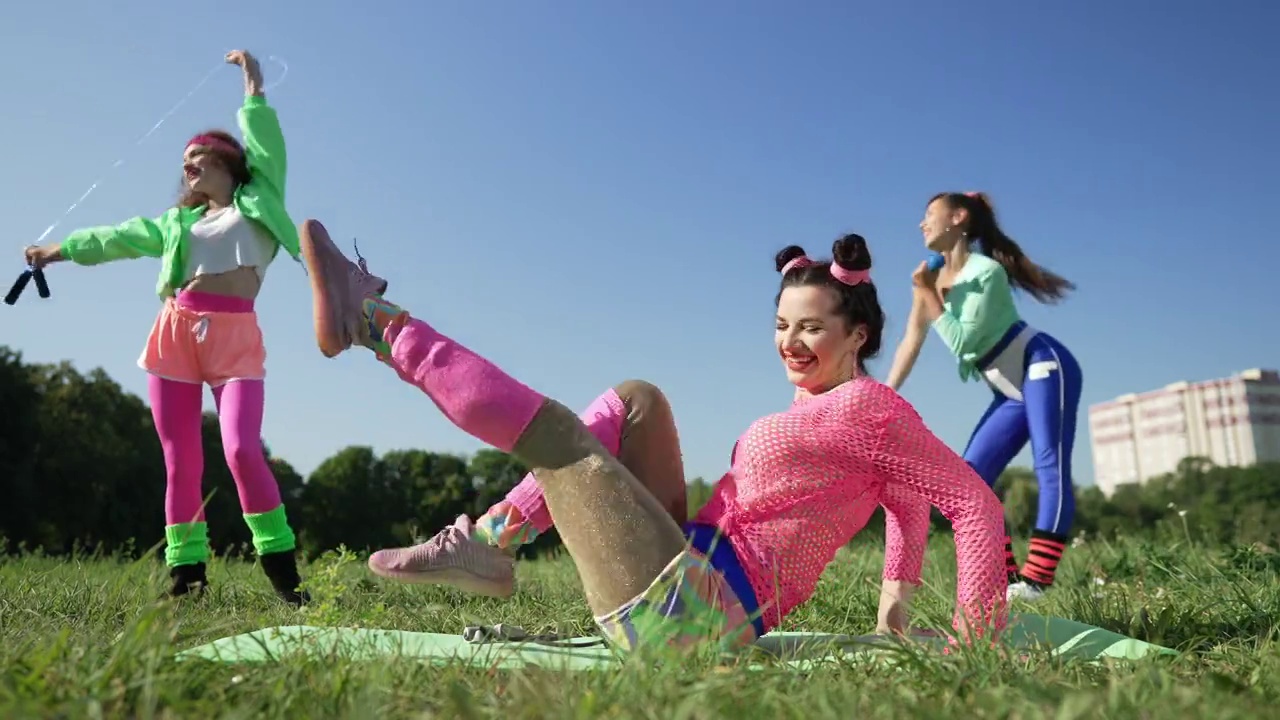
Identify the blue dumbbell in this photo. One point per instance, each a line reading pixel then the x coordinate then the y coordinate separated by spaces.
pixel 936 261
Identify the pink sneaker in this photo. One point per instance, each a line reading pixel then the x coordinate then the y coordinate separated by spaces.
pixel 450 558
pixel 338 290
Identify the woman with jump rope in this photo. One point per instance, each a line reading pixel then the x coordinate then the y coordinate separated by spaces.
pixel 968 299
pixel 215 246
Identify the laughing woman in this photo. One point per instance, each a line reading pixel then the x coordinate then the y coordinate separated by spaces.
pixel 1035 380
pixel 802 482
pixel 215 246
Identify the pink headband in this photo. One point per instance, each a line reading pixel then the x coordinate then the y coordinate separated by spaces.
pixel 973 194
pixel 802 261
pixel 213 141
pixel 848 277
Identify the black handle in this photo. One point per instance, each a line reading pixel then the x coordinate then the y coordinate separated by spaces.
pixel 42 287
pixel 18 286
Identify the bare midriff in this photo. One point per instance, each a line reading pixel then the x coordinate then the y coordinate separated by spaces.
pixel 243 282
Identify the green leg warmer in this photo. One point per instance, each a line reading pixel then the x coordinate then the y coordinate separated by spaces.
pixel 186 544
pixel 271 531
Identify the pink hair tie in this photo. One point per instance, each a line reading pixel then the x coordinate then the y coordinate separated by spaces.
pixel 973 194
pixel 802 261
pixel 850 277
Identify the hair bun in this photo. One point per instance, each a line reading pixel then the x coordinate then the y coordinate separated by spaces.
pixel 851 253
pixel 786 255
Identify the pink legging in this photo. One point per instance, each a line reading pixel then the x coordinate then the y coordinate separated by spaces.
pixel 176 408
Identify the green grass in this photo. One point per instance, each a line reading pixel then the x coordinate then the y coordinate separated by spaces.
pixel 86 638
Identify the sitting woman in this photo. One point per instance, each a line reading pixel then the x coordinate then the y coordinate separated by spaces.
pixel 803 482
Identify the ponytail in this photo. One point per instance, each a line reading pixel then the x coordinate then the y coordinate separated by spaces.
pixel 1041 283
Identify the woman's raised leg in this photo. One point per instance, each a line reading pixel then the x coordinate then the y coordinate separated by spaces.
pixel 620 536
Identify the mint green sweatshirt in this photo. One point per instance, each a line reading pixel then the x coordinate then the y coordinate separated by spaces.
pixel 168 236
pixel 978 311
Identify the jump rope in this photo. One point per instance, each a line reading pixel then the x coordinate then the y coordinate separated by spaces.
pixel 30 272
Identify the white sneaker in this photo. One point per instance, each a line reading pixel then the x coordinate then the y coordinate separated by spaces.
pixel 450 558
pixel 1022 590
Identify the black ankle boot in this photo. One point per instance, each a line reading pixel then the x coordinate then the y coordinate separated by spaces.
pixel 188 580
pixel 281 569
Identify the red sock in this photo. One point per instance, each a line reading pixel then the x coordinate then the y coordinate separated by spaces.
pixel 1010 562
pixel 1043 557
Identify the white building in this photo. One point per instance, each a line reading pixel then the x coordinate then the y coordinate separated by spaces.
pixel 1232 421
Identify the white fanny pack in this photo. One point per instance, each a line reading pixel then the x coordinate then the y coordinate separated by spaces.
pixel 1007 371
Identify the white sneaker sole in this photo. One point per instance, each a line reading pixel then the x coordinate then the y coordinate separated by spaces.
pixel 328 309
pixel 453 577
pixel 1024 592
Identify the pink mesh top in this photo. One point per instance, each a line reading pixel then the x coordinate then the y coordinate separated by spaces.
pixel 804 481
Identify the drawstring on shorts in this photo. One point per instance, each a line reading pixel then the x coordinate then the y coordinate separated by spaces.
pixel 201 329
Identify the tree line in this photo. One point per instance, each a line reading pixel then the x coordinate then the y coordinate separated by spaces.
pixel 81 468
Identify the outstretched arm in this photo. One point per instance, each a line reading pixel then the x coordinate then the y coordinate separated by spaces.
pixel 914 459
pixel 252 72
pixel 909 349
pixel 906 536
pixel 134 238
pixel 264 145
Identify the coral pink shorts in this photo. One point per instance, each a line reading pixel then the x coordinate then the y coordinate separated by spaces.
pixel 203 338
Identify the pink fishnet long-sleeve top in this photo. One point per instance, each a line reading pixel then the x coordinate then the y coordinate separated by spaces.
pixel 805 481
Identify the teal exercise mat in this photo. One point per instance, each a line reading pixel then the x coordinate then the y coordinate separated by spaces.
pixel 1062 638
pixel 1076 640
pixel 800 650
pixel 270 644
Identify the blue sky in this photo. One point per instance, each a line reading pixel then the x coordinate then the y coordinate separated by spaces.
pixel 587 191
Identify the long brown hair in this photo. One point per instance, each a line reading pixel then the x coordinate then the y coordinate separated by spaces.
pixel 1043 284
pixel 235 164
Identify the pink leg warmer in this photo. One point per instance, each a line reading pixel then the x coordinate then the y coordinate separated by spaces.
pixel 604 417
pixel 472 392
pixel 240 405
pixel 175 407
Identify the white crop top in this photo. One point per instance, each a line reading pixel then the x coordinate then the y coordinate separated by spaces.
pixel 224 240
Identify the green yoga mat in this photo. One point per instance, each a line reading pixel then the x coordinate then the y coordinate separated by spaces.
pixel 800 650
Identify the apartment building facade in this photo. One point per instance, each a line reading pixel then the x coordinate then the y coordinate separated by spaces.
pixel 1231 421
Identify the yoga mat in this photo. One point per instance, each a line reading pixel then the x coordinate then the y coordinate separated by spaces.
pixel 799 650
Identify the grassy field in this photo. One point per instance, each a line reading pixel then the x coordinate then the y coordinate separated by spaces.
pixel 87 638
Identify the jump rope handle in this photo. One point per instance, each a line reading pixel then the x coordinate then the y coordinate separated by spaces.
pixel 18 286
pixel 42 286
pixel 936 261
